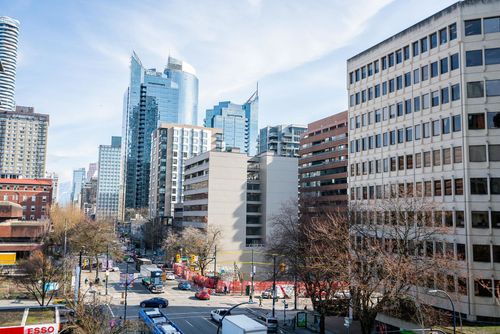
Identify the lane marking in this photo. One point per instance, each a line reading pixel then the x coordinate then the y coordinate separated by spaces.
pixel 209 320
pixel 110 310
pixel 189 323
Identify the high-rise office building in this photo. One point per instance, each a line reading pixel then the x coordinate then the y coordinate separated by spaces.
pixel 239 123
pixel 282 140
pixel 23 143
pixel 323 164
pixel 108 184
pixel 79 177
pixel 424 122
pixel 9 34
pixel 92 171
pixel 152 98
pixel 171 145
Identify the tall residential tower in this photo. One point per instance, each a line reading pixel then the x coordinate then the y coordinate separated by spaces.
pixel 9 33
pixel 108 180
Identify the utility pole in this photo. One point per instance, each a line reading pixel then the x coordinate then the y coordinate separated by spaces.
pixel 64 256
pixel 274 282
pixel 80 273
pixel 125 304
pixel 107 267
pixel 252 275
pixel 215 261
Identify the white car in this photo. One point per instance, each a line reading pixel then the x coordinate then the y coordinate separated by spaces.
pixel 170 276
pixel 218 314
pixel 114 269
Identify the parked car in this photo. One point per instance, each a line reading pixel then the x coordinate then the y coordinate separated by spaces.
pixel 267 294
pixel 170 275
pixel 202 295
pixel 155 302
pixel 184 286
pixel 272 324
pixel 114 269
pixel 218 314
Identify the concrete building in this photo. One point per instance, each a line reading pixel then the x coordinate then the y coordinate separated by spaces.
pixel 9 36
pixel 282 140
pixel 17 235
pixel 240 195
pixel 108 184
pixel 323 163
pixel 239 123
pixel 79 177
pixel 23 143
pixel 424 120
pixel 33 195
pixel 152 97
pixel 171 146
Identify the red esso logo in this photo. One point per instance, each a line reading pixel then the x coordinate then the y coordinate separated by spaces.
pixel 41 330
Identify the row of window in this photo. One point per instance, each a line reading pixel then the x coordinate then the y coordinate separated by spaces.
pixel 477 153
pixel 410 161
pixel 489 25
pixel 448 187
pixel 408 134
pixel 475 57
pixel 476 89
pixel 406 80
pixel 420 46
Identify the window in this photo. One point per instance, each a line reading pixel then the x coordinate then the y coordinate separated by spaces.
pixel 437 188
pixel 408 106
pixel 417 132
pixel 443 65
pixel 393 137
pixel 401 163
pixel 423 45
pixel 477 153
pixel 377 141
pixel 479 186
pixel 495 185
pixel 408 79
pixel 433 38
pixel 473 27
pixel 427 188
pixel 475 89
pixel 480 219
pixel 378 116
pixel 406 52
pixel 454 61
pixel 399 109
pixel 474 58
pixel 391 85
pixel 459 219
pixel 375 64
pixel 401 138
pixel 476 121
pixel 436 128
pixel 385 139
pixel 391 59
pixel 427 159
pixel 416 76
pixel 384 88
pixel 425 101
pixel 415 48
pixel 481 253
pixel 491 25
pixel 409 161
pixel 434 69
pixel 457 154
pixel 409 133
pixel 418 160
pixel 445 125
pixel 392 111
pixel 493 87
pixel 496 259
pixel 453 31
pixel 443 36
pixel 459 188
pixel 370 69
pixel 399 82
pixel 495 219
pixel 455 92
pixel 416 103
pixel 492 56
pixel 363 72
pixel 426 130
pixel 435 98
pixel 399 56
pixel 445 95
pixel 377 90
pixel 457 123
pixel 425 72
pixel 393 164
pixel 494 152
pixel 384 63
pixel 448 190
pixel 446 156
pixel 436 157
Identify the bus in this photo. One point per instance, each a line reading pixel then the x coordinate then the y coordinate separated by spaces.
pixel 140 261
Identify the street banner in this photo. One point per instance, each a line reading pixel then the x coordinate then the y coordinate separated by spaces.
pixel 7 259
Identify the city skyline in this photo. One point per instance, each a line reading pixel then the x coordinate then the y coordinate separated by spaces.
pixel 291 75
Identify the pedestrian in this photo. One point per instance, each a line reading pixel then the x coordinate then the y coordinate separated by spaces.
pixel 260 301
pixel 86 281
pixel 225 289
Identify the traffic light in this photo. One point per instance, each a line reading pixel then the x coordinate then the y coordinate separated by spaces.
pixel 282 267
pixel 192 258
pixel 177 258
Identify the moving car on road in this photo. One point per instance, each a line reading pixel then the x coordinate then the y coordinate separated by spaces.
pixel 156 302
pixel 202 295
pixel 184 286
pixel 267 294
pixel 219 313
pixel 170 275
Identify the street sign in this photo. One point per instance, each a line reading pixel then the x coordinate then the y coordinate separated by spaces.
pixel 301 319
pixel 286 305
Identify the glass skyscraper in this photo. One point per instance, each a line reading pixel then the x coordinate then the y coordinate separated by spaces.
pixel 152 98
pixel 79 177
pixel 9 32
pixel 239 123
pixel 108 182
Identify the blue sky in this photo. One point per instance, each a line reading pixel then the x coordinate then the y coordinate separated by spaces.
pixel 73 57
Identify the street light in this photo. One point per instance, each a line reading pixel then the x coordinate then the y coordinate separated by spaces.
pixel 127 283
pixel 228 312
pixel 435 292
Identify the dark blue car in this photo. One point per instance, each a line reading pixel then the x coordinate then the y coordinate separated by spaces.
pixel 155 302
pixel 184 286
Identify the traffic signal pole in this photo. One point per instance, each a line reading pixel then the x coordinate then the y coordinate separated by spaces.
pixel 274 283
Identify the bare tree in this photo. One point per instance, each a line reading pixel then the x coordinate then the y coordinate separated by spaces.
pixel 41 277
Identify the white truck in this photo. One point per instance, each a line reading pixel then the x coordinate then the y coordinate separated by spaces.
pixel 241 324
pixel 151 278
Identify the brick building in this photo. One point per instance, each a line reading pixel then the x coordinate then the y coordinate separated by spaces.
pixel 34 196
pixel 323 163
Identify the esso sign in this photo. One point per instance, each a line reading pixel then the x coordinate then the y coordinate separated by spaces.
pixel 41 329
